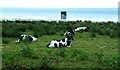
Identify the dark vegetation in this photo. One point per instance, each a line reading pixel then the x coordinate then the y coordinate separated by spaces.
pixel 39 28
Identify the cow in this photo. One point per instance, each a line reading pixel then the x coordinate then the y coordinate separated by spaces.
pixel 24 37
pixel 69 30
pixel 82 29
pixel 61 43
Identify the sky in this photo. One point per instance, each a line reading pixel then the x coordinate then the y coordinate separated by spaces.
pixel 60 3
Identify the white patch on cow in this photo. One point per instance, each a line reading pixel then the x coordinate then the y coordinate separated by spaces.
pixel 80 28
pixel 66 33
pixel 34 39
pixel 24 37
pixel 53 42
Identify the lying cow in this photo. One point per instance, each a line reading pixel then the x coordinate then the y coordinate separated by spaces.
pixel 82 29
pixel 24 37
pixel 61 43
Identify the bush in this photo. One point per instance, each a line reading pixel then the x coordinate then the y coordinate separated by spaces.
pixel 5 41
pixel 93 34
pixel 11 30
pixel 27 52
pixel 10 33
pixel 113 34
pixel 102 32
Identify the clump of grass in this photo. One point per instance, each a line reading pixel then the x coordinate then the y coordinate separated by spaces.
pixel 5 41
pixel 61 52
pixel 45 63
pixel 99 56
pixel 81 55
pixel 111 62
pixel 26 51
pixel 93 31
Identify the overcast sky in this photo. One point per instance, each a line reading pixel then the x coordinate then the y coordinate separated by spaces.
pixel 60 3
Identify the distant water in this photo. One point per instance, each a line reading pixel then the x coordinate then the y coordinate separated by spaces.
pixel 92 14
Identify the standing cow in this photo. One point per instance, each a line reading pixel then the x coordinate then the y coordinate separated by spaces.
pixel 69 30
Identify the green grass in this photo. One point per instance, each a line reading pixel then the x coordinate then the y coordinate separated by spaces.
pixel 97 48
pixel 85 52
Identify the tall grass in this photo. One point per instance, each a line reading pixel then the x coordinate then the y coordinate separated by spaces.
pixel 40 28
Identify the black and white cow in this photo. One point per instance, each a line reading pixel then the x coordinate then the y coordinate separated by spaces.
pixel 61 43
pixel 70 30
pixel 82 29
pixel 24 37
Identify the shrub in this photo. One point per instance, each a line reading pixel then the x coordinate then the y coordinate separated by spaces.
pixel 93 34
pixel 10 33
pixel 108 32
pixel 11 30
pixel 61 52
pixel 113 34
pixel 26 52
pixel 21 28
pixel 5 41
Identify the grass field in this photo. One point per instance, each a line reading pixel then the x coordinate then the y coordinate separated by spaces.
pixel 99 51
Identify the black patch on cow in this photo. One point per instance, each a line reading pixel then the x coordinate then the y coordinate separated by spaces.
pixel 70 38
pixel 63 40
pixel 88 28
pixel 68 43
pixel 58 40
pixel 60 44
pixel 55 45
pixel 48 44
pixel 21 38
pixel 30 38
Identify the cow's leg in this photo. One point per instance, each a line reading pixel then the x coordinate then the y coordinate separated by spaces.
pixel 55 45
pixel 60 44
pixel 68 43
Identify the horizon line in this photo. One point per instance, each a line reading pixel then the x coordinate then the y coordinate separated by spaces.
pixel 59 7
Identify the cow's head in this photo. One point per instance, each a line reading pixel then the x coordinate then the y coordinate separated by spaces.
pixel 69 36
